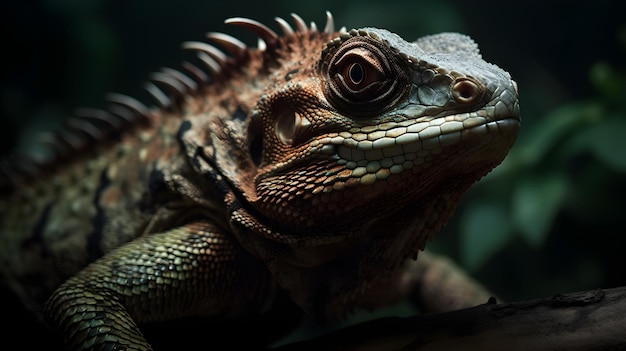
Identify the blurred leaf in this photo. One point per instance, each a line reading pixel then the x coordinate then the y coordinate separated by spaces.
pixel 607 141
pixel 553 129
pixel 485 229
pixel 536 201
pixel 607 80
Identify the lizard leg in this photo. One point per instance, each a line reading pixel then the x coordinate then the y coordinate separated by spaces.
pixel 441 285
pixel 190 270
pixel 433 282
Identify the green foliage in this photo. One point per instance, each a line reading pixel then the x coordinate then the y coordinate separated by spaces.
pixel 479 241
pixel 568 161
pixel 535 202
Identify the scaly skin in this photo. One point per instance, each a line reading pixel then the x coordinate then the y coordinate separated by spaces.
pixel 314 166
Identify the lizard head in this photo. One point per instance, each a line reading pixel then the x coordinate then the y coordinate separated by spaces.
pixel 360 147
pixel 381 138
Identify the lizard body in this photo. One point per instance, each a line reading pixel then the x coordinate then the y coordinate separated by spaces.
pixel 315 164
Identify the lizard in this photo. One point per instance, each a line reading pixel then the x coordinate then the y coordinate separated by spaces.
pixel 309 168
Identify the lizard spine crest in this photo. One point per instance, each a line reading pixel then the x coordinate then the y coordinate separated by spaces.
pixel 168 87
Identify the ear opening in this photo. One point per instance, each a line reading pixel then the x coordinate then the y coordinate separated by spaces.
pixel 255 146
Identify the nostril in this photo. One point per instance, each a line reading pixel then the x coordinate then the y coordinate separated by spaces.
pixel 466 91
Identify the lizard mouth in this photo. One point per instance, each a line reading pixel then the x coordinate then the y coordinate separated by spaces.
pixel 376 152
pixel 370 153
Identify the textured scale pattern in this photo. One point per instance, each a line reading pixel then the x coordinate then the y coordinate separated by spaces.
pixel 309 169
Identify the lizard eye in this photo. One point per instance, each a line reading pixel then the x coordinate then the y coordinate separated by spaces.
pixel 356 74
pixel 363 78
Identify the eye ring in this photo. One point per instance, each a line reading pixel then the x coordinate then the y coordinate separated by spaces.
pixel 364 77
pixel 358 72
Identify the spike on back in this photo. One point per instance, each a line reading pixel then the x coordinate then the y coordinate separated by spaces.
pixel 167 87
pixel 265 33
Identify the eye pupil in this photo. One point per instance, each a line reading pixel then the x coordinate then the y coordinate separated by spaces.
pixel 356 73
pixel 363 76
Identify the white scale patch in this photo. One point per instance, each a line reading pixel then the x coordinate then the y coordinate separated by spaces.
pixel 375 152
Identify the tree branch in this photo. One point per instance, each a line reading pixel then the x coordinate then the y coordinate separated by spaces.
pixel 589 320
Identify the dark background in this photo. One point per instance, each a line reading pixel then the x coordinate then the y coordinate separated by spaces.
pixel 550 221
